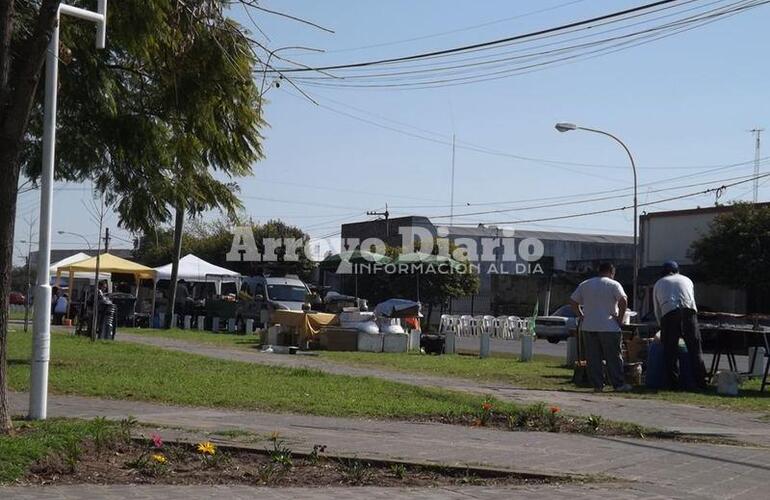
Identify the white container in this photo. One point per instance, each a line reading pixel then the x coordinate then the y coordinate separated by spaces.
pixel 395 342
pixel 201 322
pixel 571 352
pixel 727 383
pixel 388 325
pixel 449 343
pixel 484 347
pixel 369 342
pixel 527 347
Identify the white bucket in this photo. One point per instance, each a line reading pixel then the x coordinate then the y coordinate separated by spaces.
pixel 527 347
pixel 727 383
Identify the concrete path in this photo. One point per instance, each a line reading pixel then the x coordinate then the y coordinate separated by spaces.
pixel 664 468
pixel 143 492
pixel 750 427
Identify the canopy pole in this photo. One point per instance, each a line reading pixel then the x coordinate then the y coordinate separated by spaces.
pixel 154 291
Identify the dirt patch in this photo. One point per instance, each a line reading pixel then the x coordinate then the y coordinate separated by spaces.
pixel 183 464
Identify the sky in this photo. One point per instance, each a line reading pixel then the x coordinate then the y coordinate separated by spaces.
pixel 684 105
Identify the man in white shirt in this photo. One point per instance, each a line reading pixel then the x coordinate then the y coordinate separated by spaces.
pixel 600 304
pixel 677 314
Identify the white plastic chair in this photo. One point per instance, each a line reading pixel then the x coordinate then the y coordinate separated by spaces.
pixel 514 327
pixel 488 325
pixel 466 325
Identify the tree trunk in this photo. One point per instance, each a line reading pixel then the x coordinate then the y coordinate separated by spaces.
pixel 178 228
pixel 8 191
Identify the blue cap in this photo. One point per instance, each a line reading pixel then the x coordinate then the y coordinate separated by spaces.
pixel 671 266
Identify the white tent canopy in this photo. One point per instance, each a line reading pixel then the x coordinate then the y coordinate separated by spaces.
pixel 197 270
pixel 72 259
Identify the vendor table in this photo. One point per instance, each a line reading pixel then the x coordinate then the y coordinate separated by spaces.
pixel 735 339
pixel 307 324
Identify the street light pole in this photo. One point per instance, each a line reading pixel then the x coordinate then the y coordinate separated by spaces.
pixel 41 344
pixel 88 243
pixel 566 127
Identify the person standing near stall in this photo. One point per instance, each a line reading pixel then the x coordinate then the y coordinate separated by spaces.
pixel 677 314
pixel 600 304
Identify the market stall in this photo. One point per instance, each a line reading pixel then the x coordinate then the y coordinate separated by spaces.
pixel 193 269
pixel 107 264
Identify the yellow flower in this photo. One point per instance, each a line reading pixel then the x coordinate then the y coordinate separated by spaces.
pixel 159 458
pixel 207 448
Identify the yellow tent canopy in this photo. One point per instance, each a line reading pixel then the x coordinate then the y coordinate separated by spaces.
pixel 108 263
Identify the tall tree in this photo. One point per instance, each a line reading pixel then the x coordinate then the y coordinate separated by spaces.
pixel 736 251
pixel 160 119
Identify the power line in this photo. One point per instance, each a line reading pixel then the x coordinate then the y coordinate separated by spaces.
pixel 618 209
pixel 491 43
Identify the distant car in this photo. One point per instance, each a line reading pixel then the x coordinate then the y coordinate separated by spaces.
pixel 556 326
pixel 16 299
pixel 272 293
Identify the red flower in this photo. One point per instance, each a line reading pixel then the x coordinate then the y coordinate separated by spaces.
pixel 555 410
pixel 157 442
pixel 486 406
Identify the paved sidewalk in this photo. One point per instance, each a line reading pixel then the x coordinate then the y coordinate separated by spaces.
pixel 691 419
pixel 136 492
pixel 706 471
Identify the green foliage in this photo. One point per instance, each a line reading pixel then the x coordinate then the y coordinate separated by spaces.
pixel 163 117
pixel 436 288
pixel 736 250
pixel 35 441
pixel 212 240
pixel 280 454
pixel 356 472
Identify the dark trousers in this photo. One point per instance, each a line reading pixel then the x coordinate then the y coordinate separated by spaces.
pixel 604 346
pixel 682 323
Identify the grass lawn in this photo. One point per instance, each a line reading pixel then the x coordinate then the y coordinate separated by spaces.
pixel 203 337
pixel 127 371
pixel 19 315
pixel 545 372
pixel 35 440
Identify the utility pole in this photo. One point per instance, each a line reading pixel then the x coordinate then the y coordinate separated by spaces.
pixel 386 214
pixel 452 194
pixel 757 133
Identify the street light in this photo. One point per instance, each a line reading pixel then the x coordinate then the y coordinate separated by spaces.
pixel 41 350
pixel 566 127
pixel 79 236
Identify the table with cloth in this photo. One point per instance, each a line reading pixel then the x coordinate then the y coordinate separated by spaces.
pixel 307 324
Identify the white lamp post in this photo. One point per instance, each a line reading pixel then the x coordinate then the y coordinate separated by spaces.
pixel 41 346
pixel 566 127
